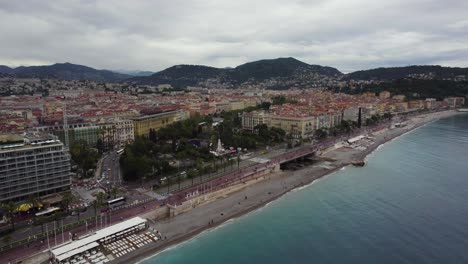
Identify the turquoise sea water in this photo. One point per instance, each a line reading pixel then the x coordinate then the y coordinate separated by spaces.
pixel 409 204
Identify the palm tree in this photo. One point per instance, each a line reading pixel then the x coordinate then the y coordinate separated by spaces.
pixel 169 180
pixel 66 200
pixel 214 164
pixel 95 205
pixel 7 239
pixel 179 180
pixel 114 191
pixel 10 209
pixel 77 212
pixel 98 202
pixel 35 204
pixel 238 161
pixel 199 166
pixel 100 198
pixel 224 163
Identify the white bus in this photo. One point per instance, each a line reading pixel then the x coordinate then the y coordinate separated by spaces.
pixel 116 202
pixel 48 212
pixel 120 151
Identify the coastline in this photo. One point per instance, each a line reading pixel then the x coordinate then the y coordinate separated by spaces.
pixel 295 179
pixel 302 178
pixel 147 253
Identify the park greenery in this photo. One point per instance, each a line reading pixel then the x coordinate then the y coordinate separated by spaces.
pixel 186 146
pixel 85 157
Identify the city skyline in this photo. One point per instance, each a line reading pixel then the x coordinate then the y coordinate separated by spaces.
pixel 155 35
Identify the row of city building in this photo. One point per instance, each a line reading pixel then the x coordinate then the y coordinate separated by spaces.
pixel 301 120
pixel 37 162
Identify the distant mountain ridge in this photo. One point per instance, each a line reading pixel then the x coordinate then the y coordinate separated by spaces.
pixel 393 73
pixel 5 69
pixel 282 72
pixel 134 73
pixel 281 68
pixel 64 71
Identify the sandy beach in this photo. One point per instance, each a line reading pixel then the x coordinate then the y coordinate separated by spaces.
pixel 249 196
pixel 253 196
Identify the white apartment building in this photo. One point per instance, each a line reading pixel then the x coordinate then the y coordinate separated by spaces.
pixel 32 165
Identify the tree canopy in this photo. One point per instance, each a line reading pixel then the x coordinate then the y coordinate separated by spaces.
pixel 84 156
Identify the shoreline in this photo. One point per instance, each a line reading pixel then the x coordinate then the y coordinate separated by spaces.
pixel 303 176
pixel 145 255
pixel 232 205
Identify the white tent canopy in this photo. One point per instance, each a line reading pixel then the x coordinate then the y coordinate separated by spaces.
pixel 76 251
pixel 87 241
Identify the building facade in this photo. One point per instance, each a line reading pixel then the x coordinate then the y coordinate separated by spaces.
pixel 117 133
pixel 296 127
pixel 82 132
pixel 33 166
pixel 455 101
pixel 143 124
pixel 252 119
pixel 430 103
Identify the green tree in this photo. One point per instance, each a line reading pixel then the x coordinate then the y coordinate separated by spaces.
pixel 199 167
pixel 169 182
pixel 135 165
pixel 278 100
pixel 179 180
pixel 98 202
pixel 77 211
pixel 34 201
pixel 7 239
pixel 100 145
pixel 67 199
pixel 84 156
pixel 10 209
pixel 95 204
pixel 114 191
pixel 192 174
pixel 265 105
pixel 224 163
pixel 321 133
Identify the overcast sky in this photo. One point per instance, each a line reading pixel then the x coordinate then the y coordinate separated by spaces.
pixel 155 34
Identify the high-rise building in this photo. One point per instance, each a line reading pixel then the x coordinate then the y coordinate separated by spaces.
pixel 34 164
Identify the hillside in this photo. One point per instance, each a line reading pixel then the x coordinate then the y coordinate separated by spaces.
pixel 257 71
pixel 413 88
pixel 278 68
pixel 134 73
pixel 179 76
pixel 5 69
pixel 420 72
pixel 64 71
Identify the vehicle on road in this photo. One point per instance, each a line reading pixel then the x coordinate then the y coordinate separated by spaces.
pixel 81 210
pixel 116 202
pixel 120 151
pixel 48 212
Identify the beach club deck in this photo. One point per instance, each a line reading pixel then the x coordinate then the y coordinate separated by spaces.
pixel 105 244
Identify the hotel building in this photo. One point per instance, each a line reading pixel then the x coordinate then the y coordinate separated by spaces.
pixel 32 165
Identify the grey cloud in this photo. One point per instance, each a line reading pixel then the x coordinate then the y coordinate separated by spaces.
pixel 152 35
